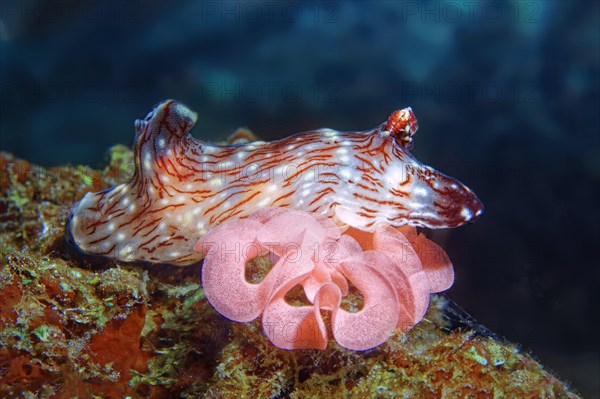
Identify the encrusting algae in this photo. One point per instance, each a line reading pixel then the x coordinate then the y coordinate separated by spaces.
pixel 78 326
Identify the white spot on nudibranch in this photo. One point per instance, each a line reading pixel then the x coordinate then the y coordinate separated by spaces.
pixel 466 213
pixel 215 182
pixel 127 252
pixel 328 132
pixel 420 191
pixel 147 161
pixel 264 201
pixel 416 205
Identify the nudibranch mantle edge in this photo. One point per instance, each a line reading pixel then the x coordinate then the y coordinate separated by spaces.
pixel 182 186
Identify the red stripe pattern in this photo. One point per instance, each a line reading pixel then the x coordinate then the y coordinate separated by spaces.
pixel 183 186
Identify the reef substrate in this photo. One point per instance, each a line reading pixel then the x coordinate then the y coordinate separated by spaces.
pixel 79 326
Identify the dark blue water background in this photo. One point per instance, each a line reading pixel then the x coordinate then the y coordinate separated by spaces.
pixel 507 96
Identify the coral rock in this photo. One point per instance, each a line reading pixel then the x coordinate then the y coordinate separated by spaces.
pixel 58 310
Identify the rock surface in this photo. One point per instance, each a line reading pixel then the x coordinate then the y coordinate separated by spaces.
pixel 78 326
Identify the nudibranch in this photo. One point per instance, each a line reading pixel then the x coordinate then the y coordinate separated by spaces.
pixel 182 186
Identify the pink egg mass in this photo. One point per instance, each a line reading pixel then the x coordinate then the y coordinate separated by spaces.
pixel 331 210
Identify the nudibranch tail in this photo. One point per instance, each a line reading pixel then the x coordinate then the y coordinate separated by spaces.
pixel 183 186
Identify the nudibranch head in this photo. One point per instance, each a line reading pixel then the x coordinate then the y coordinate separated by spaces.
pixel 435 200
pixel 182 186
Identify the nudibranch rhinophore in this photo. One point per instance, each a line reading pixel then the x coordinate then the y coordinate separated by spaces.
pixel 182 186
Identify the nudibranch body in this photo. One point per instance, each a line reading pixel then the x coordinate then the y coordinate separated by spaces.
pixel 182 186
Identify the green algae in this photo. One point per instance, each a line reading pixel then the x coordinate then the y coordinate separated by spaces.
pixel 75 326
